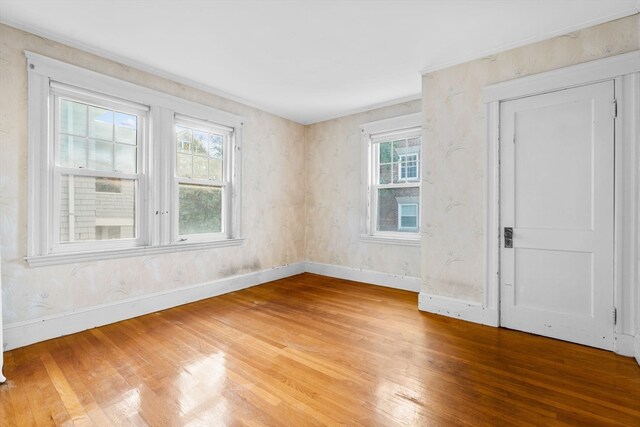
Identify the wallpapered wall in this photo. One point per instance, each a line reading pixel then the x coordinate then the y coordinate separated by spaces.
pixel 333 173
pixel 301 184
pixel 454 148
pixel 273 186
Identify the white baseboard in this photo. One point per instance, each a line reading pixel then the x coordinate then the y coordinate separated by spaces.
pixel 20 334
pixel 405 283
pixel 623 344
pixel 637 348
pixel 459 309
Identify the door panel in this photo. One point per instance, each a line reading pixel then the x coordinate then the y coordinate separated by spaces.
pixel 556 191
pixel 538 159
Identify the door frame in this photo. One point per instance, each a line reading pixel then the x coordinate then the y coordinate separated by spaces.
pixel 624 70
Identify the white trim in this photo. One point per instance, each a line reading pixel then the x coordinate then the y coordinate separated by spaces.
pixel 637 348
pixel 492 214
pixel 623 69
pixel 408 121
pixel 627 92
pixel 391 240
pixel 396 281
pixel 623 344
pixel 20 334
pixel 92 256
pixel 458 309
pixel 531 40
pixel 563 78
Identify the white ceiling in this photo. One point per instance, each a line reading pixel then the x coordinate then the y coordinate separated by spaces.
pixel 304 60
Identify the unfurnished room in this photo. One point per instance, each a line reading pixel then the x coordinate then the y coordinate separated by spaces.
pixel 319 212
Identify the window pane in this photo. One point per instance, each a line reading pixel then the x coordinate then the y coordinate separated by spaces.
pixel 108 185
pixel 100 155
pixel 200 154
pixel 409 210
pixel 73 151
pixel 201 142
pixel 414 143
pixel 73 118
pixel 215 169
pixel 385 174
pixel 126 127
pixel 200 167
pixel 385 152
pixel 184 166
pixel 399 151
pixel 184 139
pixel 200 209
pixel 100 123
pixel 110 142
pixel 399 148
pixel 125 158
pixel 389 201
pixel 215 146
pixel 89 212
pixel 409 221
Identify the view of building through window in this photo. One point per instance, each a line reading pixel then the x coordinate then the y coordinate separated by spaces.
pixel 397 186
pixel 92 138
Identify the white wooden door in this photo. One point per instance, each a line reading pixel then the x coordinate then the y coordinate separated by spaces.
pixel 556 193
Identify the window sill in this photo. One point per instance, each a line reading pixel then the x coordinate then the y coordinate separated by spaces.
pixel 68 258
pixel 392 240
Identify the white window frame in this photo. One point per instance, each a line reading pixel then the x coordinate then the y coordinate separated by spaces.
pixel 155 208
pixel 372 133
pixel 57 92
pixel 225 185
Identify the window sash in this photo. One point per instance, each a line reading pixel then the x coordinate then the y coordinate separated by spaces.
pixel 225 185
pixel 374 213
pixel 374 142
pixel 57 93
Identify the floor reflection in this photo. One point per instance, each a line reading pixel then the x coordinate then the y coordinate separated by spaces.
pixel 201 384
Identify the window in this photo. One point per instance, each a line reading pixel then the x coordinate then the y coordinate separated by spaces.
pixel 201 178
pixel 116 168
pixel 391 202
pixel 408 165
pixel 95 146
pixel 408 216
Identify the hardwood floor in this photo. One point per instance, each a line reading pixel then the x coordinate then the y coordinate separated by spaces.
pixel 311 350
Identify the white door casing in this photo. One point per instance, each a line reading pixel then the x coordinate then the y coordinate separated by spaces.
pixel 557 193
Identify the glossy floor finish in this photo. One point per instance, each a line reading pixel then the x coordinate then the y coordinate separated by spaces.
pixel 310 350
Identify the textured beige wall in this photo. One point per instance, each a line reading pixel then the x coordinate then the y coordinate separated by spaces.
pixel 273 199
pixel 454 148
pixel 333 174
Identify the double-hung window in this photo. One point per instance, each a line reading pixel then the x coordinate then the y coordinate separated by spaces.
pixel 201 179
pixel 391 196
pixel 116 169
pixel 97 175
